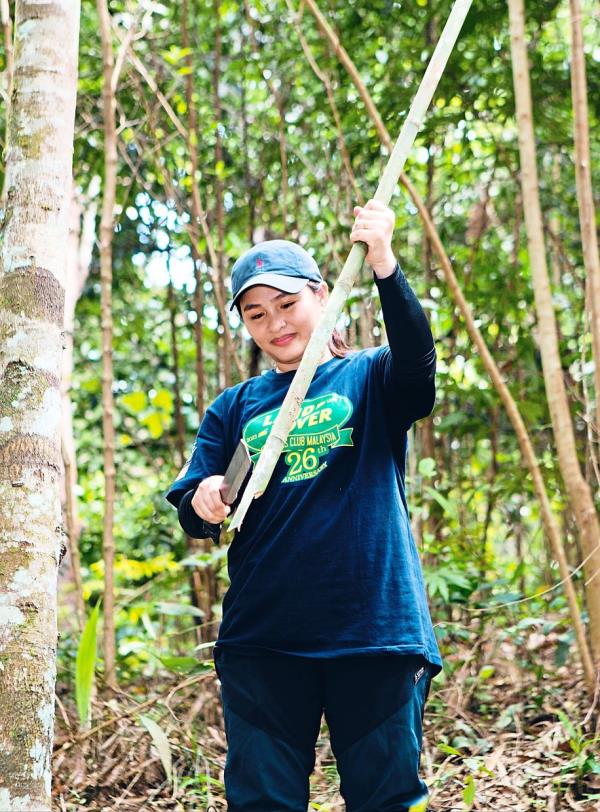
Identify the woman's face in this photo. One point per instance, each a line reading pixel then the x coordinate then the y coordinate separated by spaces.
pixel 282 323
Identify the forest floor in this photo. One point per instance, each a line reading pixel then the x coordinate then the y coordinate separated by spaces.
pixel 501 734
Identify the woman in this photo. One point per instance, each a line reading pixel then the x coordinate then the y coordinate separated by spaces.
pixel 326 611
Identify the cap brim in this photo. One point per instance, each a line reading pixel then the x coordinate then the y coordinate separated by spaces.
pixel 288 284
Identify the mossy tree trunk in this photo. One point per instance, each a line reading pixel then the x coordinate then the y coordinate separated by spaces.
pixel 32 274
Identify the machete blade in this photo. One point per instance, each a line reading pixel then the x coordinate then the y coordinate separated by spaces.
pixel 237 474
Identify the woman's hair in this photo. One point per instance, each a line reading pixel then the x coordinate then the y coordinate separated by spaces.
pixel 337 345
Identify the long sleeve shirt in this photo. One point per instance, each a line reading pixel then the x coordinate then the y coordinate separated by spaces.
pixel 325 563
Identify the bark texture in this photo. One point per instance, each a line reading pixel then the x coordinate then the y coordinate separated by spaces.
pixel 32 274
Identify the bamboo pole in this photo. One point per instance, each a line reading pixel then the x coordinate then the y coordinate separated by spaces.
pixel 352 267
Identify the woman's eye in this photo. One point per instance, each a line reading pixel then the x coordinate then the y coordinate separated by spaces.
pixel 289 304
pixel 253 318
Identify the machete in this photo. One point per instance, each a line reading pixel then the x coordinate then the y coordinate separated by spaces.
pixel 237 474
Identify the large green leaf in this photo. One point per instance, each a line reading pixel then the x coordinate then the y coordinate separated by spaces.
pixel 85 665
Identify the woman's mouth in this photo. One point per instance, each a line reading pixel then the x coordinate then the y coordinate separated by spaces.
pixel 279 342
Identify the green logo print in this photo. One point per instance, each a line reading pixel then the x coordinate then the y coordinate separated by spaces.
pixel 316 430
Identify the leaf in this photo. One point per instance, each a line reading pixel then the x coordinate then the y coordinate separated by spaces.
pixel 469 791
pixel 181 665
pixel 437 584
pixel 449 508
pixel 179 609
pixel 427 466
pixel 85 664
pixel 204 645
pixel 154 423
pixel 175 54
pixel 161 742
pixel 147 624
pixel 164 400
pixel 450 751
pixel 135 401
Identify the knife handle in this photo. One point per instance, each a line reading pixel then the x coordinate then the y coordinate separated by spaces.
pixel 223 492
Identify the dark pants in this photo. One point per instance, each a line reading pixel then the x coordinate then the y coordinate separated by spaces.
pixel 273 704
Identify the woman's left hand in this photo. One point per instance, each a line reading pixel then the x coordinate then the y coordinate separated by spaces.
pixel 374 225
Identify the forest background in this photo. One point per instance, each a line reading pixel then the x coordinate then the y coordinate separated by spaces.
pixel 202 128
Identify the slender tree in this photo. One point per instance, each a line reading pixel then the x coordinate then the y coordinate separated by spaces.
pixel 106 238
pixel 32 275
pixel 577 488
pixel 79 255
pixel 585 195
pixel 199 223
pixel 219 210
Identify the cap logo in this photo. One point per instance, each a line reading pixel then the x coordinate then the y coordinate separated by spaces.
pixel 259 264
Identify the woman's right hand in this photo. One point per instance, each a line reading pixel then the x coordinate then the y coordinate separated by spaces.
pixel 207 500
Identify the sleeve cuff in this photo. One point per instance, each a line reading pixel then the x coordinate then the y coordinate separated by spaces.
pixel 193 524
pixel 392 278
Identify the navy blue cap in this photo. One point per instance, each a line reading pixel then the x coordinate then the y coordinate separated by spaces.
pixel 279 264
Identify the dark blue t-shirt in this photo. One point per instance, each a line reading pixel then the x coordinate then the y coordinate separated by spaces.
pixel 325 563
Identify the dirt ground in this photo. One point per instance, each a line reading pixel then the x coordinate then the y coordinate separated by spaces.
pixel 498 737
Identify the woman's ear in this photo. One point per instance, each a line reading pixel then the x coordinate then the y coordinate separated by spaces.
pixel 323 292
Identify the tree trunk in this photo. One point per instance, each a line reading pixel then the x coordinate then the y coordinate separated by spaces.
pixel 219 167
pixel 79 255
pixel 197 592
pixel 6 21
pixel 178 404
pixel 199 221
pixel 32 267
pixel 106 237
pixel 578 490
pixel 585 195
pixel 249 181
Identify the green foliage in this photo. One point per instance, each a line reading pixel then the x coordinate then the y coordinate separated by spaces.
pixel 183 665
pixel 449 584
pixel 85 665
pixel 585 760
pixel 469 792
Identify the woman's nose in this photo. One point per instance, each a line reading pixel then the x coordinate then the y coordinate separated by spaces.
pixel 277 323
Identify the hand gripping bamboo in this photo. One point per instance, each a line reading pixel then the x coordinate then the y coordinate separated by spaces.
pixel 341 291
